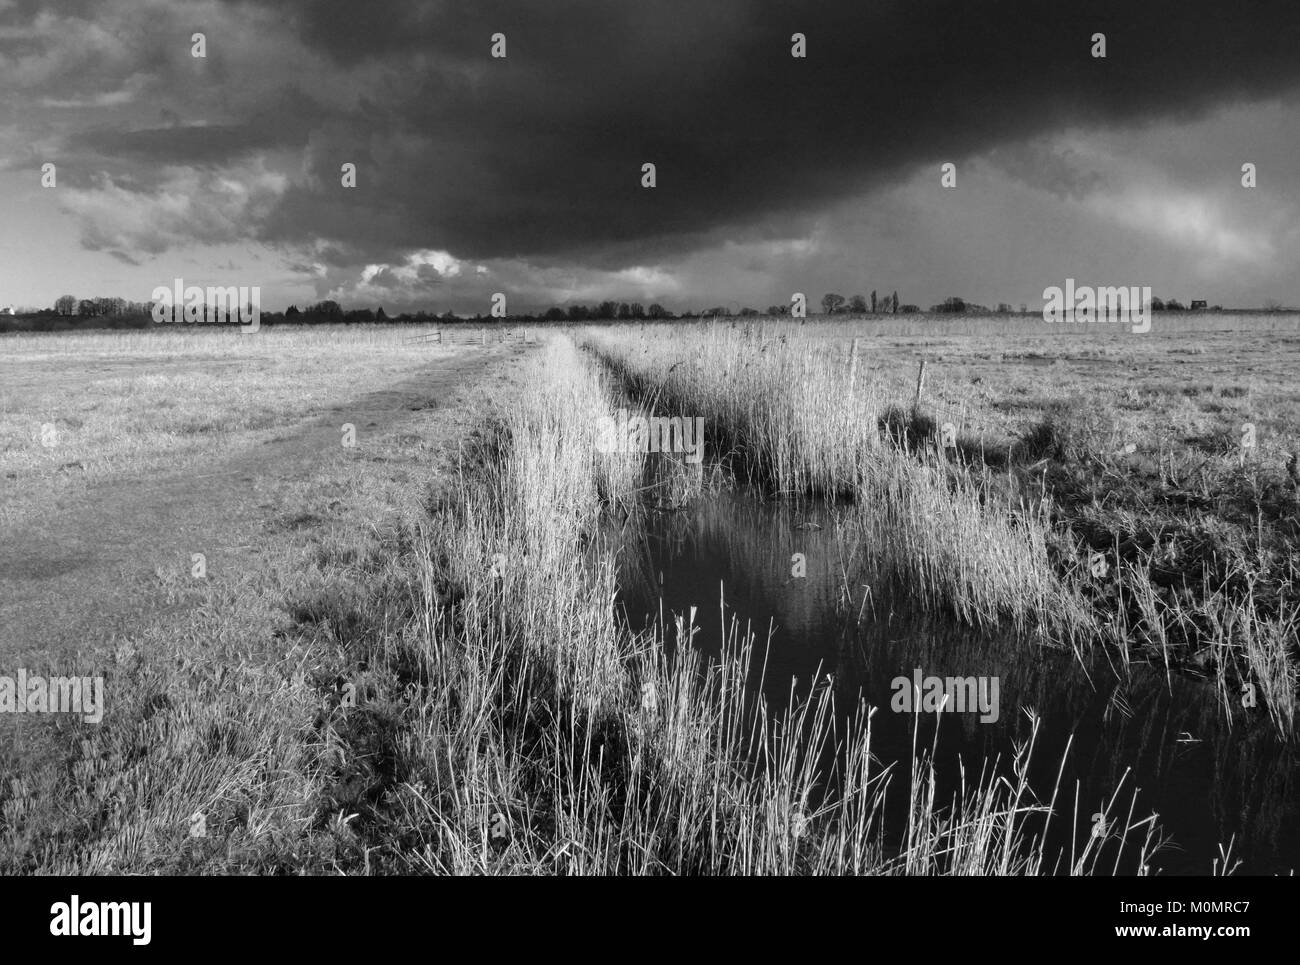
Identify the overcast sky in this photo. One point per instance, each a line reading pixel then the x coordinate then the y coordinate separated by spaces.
pixel 523 174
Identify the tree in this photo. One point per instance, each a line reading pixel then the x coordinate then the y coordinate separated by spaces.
pixel 380 316
pixel 107 305
pixel 579 313
pixel 778 309
pixel 554 315
pixel 88 307
pixel 873 301
pixel 858 304
pixel 658 311
pixel 326 309
pixel 831 303
pixel 65 304
pixel 638 310
pixel 606 310
pixel 291 312
pixel 895 301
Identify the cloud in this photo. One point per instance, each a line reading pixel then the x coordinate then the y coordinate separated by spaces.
pixel 111 98
pixel 436 277
pixel 530 166
pixel 541 153
pixel 1187 220
pixel 1049 165
pixel 189 208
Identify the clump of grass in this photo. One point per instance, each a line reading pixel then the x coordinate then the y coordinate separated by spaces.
pixel 1068 429
pixel 1215 630
pixel 933 532
pixel 800 421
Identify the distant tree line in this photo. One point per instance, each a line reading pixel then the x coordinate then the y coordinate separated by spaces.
pixel 1174 305
pixel 833 304
pixel 606 311
pixel 112 312
pixel 330 312
pixel 96 307
pixel 836 304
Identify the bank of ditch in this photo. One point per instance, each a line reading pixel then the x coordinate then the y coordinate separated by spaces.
pixel 532 733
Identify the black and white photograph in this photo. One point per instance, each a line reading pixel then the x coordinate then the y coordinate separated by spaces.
pixel 655 438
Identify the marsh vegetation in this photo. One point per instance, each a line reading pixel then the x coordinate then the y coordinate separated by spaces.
pixel 457 674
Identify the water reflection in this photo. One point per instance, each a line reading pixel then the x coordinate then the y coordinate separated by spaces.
pixel 1208 776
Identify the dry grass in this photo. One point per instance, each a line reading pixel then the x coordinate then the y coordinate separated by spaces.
pixel 453 694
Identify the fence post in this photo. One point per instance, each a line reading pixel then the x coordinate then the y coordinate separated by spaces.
pixel 920 383
pixel 483 337
pixel 853 364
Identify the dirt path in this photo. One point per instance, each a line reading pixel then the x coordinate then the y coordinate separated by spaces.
pixel 91 571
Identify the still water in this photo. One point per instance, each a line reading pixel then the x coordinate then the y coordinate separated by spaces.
pixel 1209 778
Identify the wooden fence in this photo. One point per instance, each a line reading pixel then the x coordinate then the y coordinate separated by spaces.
pixel 472 336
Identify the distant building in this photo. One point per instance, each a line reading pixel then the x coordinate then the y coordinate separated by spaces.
pixel 8 310
pixel 1198 305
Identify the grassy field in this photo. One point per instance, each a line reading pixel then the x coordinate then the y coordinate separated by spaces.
pixel 80 409
pixel 420 669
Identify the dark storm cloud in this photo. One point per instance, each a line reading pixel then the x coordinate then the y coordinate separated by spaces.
pixel 286 120
pixel 541 152
pixel 539 155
